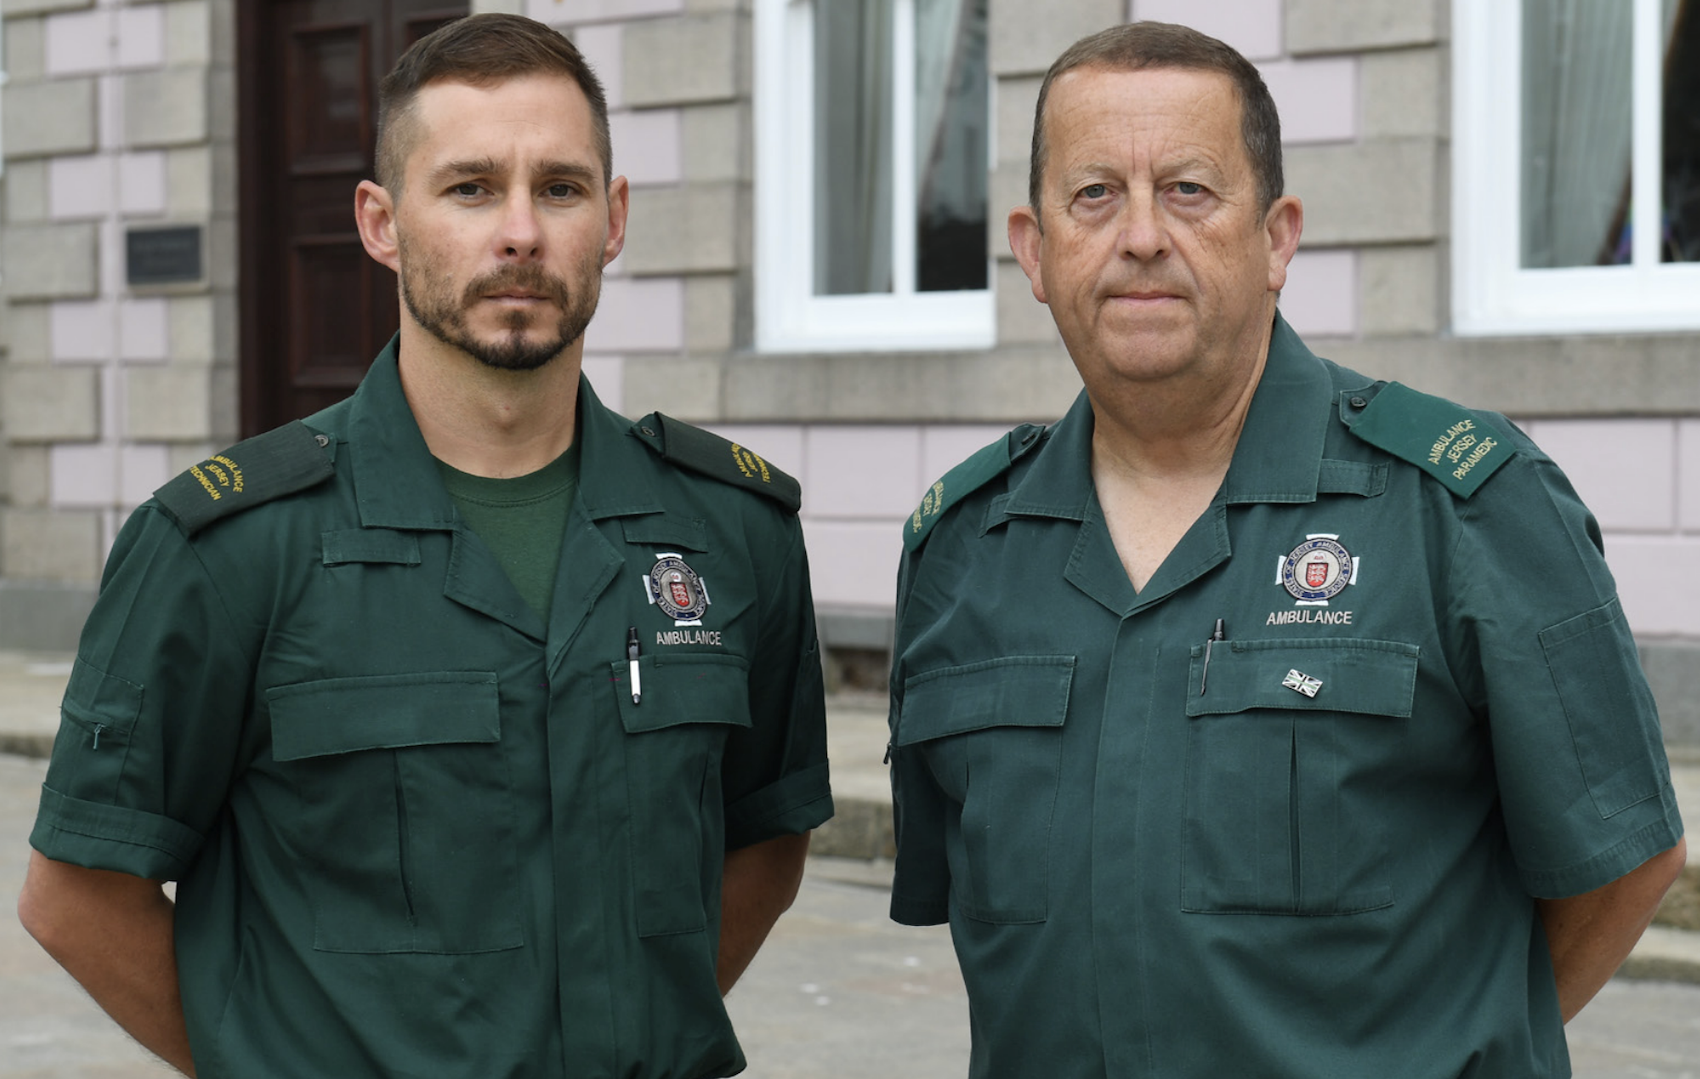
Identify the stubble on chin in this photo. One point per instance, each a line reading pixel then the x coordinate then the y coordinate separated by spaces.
pixel 444 317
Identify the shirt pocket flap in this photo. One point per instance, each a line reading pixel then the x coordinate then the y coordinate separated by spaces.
pixel 382 545
pixel 386 711
pixel 656 530
pixel 1366 677
pixel 695 687
pixel 1014 691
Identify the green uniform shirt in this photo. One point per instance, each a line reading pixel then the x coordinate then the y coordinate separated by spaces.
pixel 419 830
pixel 1315 858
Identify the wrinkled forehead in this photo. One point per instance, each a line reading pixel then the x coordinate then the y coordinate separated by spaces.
pixel 1153 115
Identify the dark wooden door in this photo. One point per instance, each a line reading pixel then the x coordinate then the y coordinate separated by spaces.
pixel 314 308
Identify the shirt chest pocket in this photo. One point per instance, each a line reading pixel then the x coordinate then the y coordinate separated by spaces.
pixel 1283 741
pixel 405 811
pixel 675 739
pixel 991 735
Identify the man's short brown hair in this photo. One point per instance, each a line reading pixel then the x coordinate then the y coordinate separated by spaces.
pixel 1165 45
pixel 480 50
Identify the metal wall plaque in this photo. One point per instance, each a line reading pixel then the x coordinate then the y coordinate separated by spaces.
pixel 168 256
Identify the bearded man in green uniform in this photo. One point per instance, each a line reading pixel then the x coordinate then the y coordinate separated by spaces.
pixel 1258 718
pixel 481 728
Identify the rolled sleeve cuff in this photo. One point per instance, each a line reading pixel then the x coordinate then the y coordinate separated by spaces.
pixel 906 910
pixel 795 804
pixel 99 836
pixel 1621 858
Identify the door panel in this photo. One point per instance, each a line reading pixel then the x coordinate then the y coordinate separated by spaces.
pixel 315 308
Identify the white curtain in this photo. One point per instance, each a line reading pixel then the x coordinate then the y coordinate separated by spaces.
pixel 853 118
pixel 1577 128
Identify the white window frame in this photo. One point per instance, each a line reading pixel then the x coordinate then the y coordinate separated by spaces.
pixel 1491 292
pixel 789 317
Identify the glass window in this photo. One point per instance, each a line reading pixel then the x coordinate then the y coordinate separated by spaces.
pixel 1576 166
pixel 873 160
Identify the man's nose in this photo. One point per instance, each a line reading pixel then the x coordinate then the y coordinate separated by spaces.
pixel 521 234
pixel 1144 232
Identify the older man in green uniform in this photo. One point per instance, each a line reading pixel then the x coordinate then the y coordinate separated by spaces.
pixel 481 728
pixel 1258 718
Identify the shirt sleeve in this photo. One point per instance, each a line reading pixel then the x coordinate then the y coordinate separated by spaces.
pixel 152 716
pixel 1579 757
pixel 920 890
pixel 775 773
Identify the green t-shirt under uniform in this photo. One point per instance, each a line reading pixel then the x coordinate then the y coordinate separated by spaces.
pixel 521 520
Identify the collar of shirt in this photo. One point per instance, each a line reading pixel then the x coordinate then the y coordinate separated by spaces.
pixel 399 484
pixel 1277 459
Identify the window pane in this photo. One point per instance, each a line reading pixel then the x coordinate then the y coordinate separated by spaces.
pixel 853 117
pixel 1577 130
pixel 1682 132
pixel 950 144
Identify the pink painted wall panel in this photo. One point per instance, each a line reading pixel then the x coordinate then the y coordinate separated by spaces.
pixel 1658 579
pixel 855 471
pixel 1321 297
pixel 853 564
pixel 1625 470
pixel 638 315
pixel 1251 26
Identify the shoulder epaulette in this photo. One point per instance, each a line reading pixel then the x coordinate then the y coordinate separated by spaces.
pixel 709 454
pixel 981 467
pixel 1457 446
pixel 282 461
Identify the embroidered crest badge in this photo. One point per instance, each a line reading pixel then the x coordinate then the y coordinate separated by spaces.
pixel 677 590
pixel 1318 569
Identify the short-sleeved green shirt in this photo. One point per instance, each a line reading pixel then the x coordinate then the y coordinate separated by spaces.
pixel 1308 849
pixel 418 829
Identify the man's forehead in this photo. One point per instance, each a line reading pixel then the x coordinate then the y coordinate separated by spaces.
pixel 1188 111
pixel 459 119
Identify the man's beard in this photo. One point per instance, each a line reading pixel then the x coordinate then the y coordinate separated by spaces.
pixel 445 317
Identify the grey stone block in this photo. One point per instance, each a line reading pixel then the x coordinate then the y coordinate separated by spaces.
pixel 167 107
pixel 188 33
pixel 203 328
pixel 1673 673
pixel 1012 384
pixel 1006 189
pixel 29 333
pixel 1647 375
pixel 710 312
pixel 498 7
pixel 686 59
pixel 43 262
pixel 1026 38
pixel 50 403
pixel 1021 318
pixel 1377 191
pixel 189 182
pixel 221 119
pixel 177 402
pixel 717 144
pixel 26 191
pixel 9 8
pixel 684 386
pixel 1317 26
pixel 1404 94
pixel 55 116
pixel 28 475
pixel 692 229
pixel 50 545
pixel 1016 99
pixel 26 49
pixel 43 616
pixel 1400 290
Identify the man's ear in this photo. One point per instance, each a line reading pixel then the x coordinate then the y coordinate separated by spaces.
pixel 1284 222
pixel 619 204
pixel 1027 242
pixel 374 216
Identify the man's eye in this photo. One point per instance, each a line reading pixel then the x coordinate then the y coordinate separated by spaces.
pixel 1187 187
pixel 467 190
pixel 561 191
pixel 1094 191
